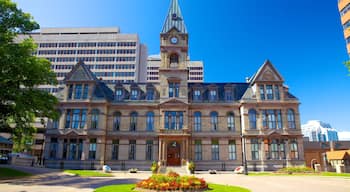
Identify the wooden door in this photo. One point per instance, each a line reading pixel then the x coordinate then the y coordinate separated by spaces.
pixel 173 154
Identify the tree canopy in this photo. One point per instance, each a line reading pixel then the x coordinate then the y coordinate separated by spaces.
pixel 20 74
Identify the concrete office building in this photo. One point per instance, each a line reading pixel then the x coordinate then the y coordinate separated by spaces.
pixel 173 121
pixel 109 54
pixel 344 10
pixel 316 130
pixel 195 68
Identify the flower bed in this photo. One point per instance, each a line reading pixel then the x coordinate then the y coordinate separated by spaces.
pixel 172 182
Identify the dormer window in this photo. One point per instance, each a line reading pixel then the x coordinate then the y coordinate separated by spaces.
pixel 196 95
pixel 150 94
pixel 134 94
pixel 78 91
pixel 119 94
pixel 269 92
pixel 174 16
pixel 212 95
pixel 228 95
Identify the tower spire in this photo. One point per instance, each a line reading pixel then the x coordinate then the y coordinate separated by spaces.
pixel 174 19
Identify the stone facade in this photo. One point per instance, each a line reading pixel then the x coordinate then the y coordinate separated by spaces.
pixel 174 121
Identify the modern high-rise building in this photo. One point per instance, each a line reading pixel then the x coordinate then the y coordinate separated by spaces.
pixel 316 130
pixel 173 121
pixel 344 9
pixel 109 54
pixel 195 68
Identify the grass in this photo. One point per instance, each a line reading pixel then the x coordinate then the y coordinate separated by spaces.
pixel 300 174
pixel 7 173
pixel 88 173
pixel 130 187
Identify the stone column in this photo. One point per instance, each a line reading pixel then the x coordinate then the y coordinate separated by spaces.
pixel 286 142
pixel 85 154
pixel 262 155
pixel 160 143
pixel 60 149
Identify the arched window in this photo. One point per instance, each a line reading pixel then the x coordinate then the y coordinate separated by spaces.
pixel 252 118
pixel 150 121
pixel 197 121
pixel 116 121
pixel 174 60
pixel 94 118
pixel 231 121
pixel 214 121
pixel 133 121
pixel 291 118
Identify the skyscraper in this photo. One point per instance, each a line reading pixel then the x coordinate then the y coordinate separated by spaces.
pixel 109 54
pixel 344 8
pixel 317 130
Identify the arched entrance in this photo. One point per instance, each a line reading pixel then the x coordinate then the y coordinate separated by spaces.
pixel 173 154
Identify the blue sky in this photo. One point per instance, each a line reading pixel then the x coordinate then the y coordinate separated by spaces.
pixel 302 38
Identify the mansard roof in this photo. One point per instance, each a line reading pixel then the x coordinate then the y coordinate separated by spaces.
pixel 238 89
pixel 174 19
pixel 80 72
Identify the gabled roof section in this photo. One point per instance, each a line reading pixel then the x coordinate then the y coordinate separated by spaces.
pixel 174 19
pixel 80 72
pixel 267 72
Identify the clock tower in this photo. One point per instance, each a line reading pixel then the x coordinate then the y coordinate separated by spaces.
pixel 173 71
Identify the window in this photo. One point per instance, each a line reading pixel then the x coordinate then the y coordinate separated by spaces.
pixel 150 121
pixel 78 91
pixel 76 118
pixel 115 149
pixel 294 149
pixel 92 149
pixel 133 121
pixel 53 148
pixel 70 92
pixel 228 95
pixel 94 118
pixel 134 94
pixel 255 147
pixel 252 118
pixel 72 149
pixel 174 89
pixel 55 124
pixel 119 94
pixel 214 121
pixel 132 150
pixel 196 95
pixel 282 149
pixel 231 121
pixel 272 119
pixel 150 94
pixel 232 150
pixel 291 119
pixel 269 92
pixel 86 91
pixel 174 60
pixel 277 93
pixel 149 150
pixel 262 92
pixel 215 150
pixel 197 121
pixel 116 121
pixel 273 148
pixel 212 95
pixel 197 150
pixel 173 120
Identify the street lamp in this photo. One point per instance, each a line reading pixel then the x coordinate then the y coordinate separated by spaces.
pixel 244 156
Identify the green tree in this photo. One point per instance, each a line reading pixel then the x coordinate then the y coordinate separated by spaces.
pixel 20 74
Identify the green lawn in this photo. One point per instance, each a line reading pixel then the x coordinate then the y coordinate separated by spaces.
pixel 300 174
pixel 88 173
pixel 7 173
pixel 130 187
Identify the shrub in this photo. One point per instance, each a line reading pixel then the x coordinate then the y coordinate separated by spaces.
pixel 191 166
pixel 154 167
pixel 291 170
pixel 172 181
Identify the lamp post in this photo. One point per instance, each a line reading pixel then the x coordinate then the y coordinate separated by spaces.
pixel 43 142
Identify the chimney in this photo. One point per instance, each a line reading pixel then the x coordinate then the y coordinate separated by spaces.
pixel 331 145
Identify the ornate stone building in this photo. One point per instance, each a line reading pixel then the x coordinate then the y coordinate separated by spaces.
pixel 173 121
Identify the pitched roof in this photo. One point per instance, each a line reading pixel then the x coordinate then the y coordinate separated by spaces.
pixel 174 19
pixel 337 155
pixel 267 67
pixel 80 72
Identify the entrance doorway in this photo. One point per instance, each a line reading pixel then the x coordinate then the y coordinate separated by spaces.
pixel 173 154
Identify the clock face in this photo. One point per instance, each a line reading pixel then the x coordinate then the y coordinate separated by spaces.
pixel 174 40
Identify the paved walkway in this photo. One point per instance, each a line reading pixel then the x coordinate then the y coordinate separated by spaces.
pixel 53 180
